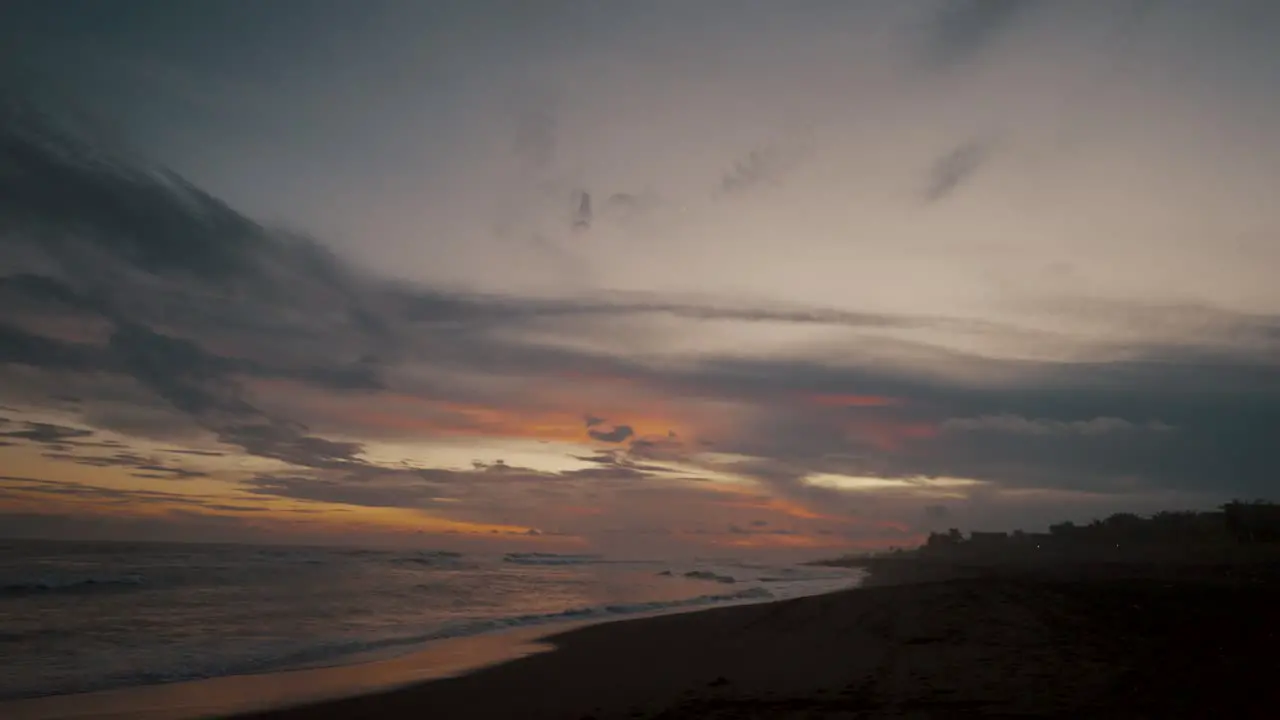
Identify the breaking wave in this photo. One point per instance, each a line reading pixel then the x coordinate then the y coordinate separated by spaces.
pixel 70 584
pixel 708 575
pixel 333 653
pixel 538 558
pixel 434 558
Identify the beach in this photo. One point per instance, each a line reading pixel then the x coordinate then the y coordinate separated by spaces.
pixel 167 631
pixel 1089 641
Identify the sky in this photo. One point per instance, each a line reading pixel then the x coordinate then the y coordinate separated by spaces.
pixel 634 278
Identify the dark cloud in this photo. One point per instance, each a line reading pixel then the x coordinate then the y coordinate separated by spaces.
pixel 583 216
pixel 156 472
pixel 198 384
pixel 108 237
pixel 667 447
pixel 954 169
pixel 614 464
pixel 617 434
pixel 144 467
pixel 179 370
pixel 961 29
pixel 24 348
pixel 1018 425
pixel 1107 427
pixel 47 433
pixel 289 443
pixel 84 203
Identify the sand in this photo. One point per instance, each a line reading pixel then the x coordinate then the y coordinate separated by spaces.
pixel 230 695
pixel 1104 641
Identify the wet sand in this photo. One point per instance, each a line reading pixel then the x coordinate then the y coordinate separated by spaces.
pixel 1104 641
pixel 225 696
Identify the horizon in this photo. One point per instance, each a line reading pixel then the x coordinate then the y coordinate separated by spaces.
pixel 671 279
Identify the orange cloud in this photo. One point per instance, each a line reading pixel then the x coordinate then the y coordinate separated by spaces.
pixel 559 418
pixel 781 506
pixel 891 436
pixel 751 499
pixel 821 541
pixel 764 540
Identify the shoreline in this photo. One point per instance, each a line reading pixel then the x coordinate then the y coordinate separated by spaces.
pixel 362 674
pixel 232 695
pixel 1093 642
pixel 1089 640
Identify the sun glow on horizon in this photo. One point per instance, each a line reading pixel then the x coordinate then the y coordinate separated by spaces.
pixel 920 485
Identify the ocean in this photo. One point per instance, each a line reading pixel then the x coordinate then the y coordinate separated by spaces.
pixel 79 617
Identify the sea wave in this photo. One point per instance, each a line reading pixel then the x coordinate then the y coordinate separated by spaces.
pixel 709 575
pixel 432 558
pixel 69 584
pixel 540 558
pixel 334 653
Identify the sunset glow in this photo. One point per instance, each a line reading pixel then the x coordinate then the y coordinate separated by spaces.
pixel 658 278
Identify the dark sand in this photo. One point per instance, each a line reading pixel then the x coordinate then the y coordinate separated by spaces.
pixel 1090 642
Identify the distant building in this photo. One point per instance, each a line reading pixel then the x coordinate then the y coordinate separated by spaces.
pixel 987 539
pixel 1252 522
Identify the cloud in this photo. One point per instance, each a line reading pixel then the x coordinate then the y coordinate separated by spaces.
pixel 19 346
pixel 14 486
pixel 669 447
pixel 596 429
pixel 82 201
pixel 246 347
pixel 403 491
pixel 1055 425
pixel 47 433
pixel 144 467
pixel 962 29
pixel 619 433
pixel 584 215
pixel 759 167
pixel 954 169
pixel 1016 424
pixel 623 472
